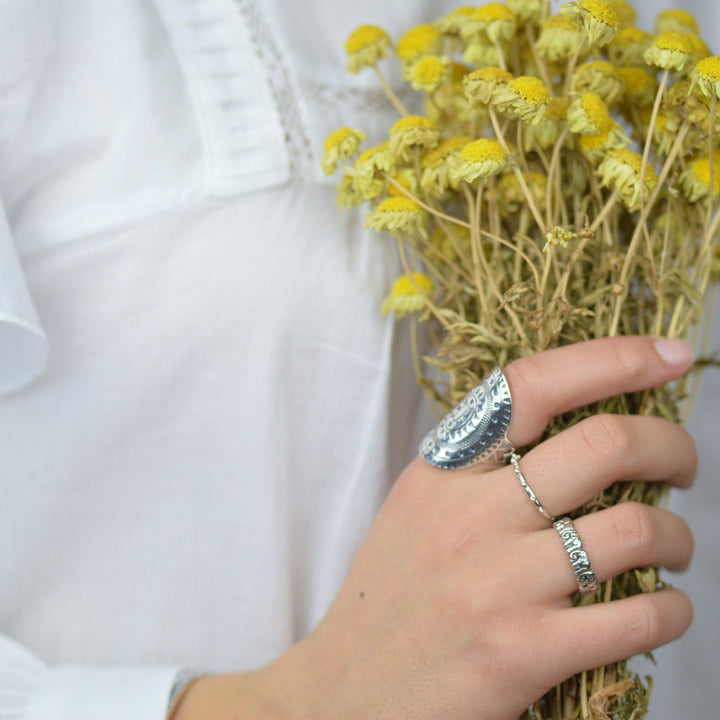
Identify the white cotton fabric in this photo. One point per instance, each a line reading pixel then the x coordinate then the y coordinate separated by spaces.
pixel 223 407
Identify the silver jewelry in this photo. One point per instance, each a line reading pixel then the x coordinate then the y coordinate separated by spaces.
pixel 514 459
pixel 587 583
pixel 475 430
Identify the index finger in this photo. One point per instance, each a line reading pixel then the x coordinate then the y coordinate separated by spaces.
pixel 554 381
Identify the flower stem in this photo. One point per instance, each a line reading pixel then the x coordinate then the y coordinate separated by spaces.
pixel 391 95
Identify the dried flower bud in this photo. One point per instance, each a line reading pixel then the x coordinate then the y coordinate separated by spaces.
pixel 624 11
pixel 477 159
pixel 588 115
pixel 408 295
pixel 340 145
pixel 706 77
pixel 482 86
pixel 429 72
pixel 398 214
pixel 525 97
pixel 600 77
pixel 435 165
pixel 496 20
pixel 366 46
pixel 640 86
pixel 676 20
pixel 695 180
pixel 559 39
pixel 670 51
pixel 410 132
pixel 628 46
pixel 621 170
pixel 418 41
pixel 597 18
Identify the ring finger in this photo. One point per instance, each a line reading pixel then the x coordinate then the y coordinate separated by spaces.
pixel 629 535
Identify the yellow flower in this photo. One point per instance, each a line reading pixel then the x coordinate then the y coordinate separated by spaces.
pixel 429 72
pixel 695 180
pixel 628 46
pixel 435 165
pixel 443 244
pixel 621 170
pixel 525 97
pixel 700 49
pixel 510 195
pixel 526 10
pixel 559 39
pixel 477 159
pixel 398 214
pixel 496 20
pixel 640 86
pixel 588 115
pixel 625 12
pixel 670 51
pixel 418 41
pixel 706 77
pixel 408 294
pixel 452 23
pixel 411 132
pixel 546 133
pixel 366 46
pixel 597 18
pixel 481 86
pixel 340 145
pixel 369 169
pixel 600 77
pixel 676 20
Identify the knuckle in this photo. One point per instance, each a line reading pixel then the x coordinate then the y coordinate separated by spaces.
pixel 607 436
pixel 643 625
pixel 523 378
pixel 634 528
pixel 630 360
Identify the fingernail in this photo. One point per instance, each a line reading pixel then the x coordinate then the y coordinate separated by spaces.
pixel 674 352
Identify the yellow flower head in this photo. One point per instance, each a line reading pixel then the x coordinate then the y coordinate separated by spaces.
pixel 429 72
pixel 670 51
pixel 597 18
pixel 640 86
pixel 370 168
pixel 366 46
pixel 621 170
pixel 598 76
pixel 340 145
pixel 452 23
pixel 510 195
pixel 398 214
pixel 479 158
pixel 700 49
pixel 408 294
pixel 435 165
pixel 559 39
pixel 526 10
pixel 695 181
pixel 525 97
pixel 495 19
pixel 479 51
pixel 625 12
pixel 588 115
pixel 481 86
pixel 418 41
pixel 411 132
pixel 706 77
pixel 447 245
pixel 676 20
pixel 628 46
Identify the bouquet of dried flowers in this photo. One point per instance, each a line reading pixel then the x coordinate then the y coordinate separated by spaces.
pixel 558 184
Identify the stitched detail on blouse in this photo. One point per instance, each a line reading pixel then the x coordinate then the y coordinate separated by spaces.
pixel 283 90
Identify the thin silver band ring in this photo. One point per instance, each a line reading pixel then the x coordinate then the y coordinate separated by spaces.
pixel 515 460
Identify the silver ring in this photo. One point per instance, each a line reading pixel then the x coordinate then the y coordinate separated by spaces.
pixel 515 460
pixel 475 430
pixel 587 583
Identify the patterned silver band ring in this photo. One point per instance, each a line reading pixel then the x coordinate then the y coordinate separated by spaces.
pixel 515 460
pixel 587 583
pixel 475 430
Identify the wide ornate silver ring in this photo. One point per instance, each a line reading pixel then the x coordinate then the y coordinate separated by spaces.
pixel 475 430
pixel 587 583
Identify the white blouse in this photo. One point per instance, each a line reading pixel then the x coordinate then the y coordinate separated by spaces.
pixel 204 406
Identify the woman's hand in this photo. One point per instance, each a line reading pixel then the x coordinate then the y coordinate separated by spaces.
pixel 458 603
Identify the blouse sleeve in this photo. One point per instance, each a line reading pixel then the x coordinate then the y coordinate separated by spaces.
pixel 23 345
pixel 30 690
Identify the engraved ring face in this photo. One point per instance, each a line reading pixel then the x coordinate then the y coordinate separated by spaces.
pixel 474 431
